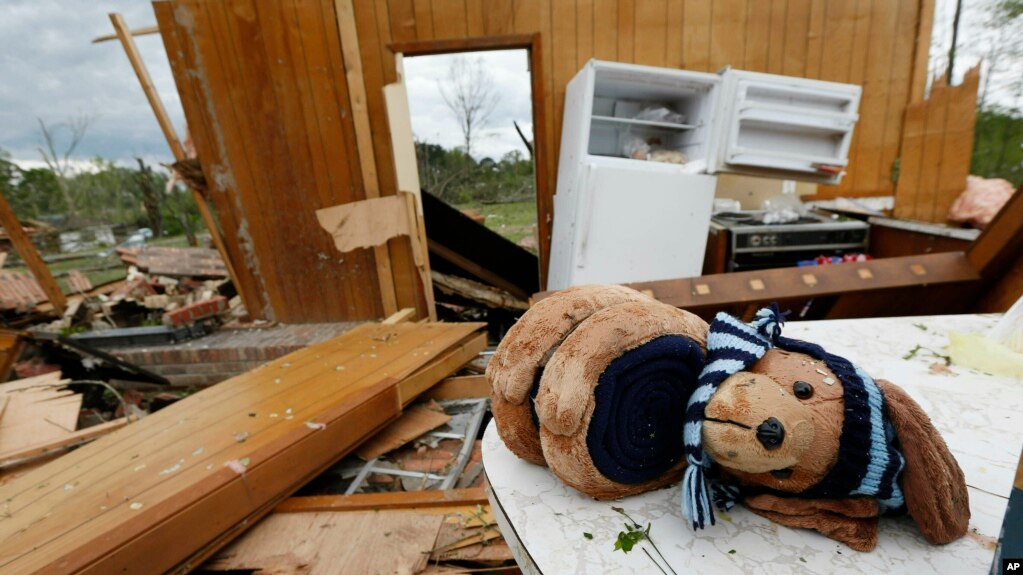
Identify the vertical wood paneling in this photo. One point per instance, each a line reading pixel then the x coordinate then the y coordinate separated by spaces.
pixel 814 38
pixel 776 37
pixel 605 30
pixel 696 26
pixel 424 19
pixel 757 35
pixel 450 19
pixel 271 110
pixel 651 41
pixel 499 17
pixel 673 46
pixel 583 32
pixel 403 20
pixel 797 31
pixel 727 42
pixel 626 30
pixel 957 147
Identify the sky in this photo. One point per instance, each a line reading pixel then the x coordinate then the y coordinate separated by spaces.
pixel 50 70
pixel 433 121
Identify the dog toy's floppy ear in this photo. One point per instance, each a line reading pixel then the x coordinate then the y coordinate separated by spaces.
pixel 514 371
pixel 611 398
pixel 932 482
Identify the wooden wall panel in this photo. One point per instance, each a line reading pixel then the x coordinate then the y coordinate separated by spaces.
pixel 869 42
pixel 936 150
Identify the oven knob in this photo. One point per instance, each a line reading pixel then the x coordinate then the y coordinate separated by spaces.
pixel 754 240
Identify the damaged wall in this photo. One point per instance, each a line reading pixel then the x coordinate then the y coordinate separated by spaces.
pixel 266 82
pixel 266 97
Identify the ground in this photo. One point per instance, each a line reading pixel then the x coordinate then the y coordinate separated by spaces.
pixel 100 265
pixel 514 220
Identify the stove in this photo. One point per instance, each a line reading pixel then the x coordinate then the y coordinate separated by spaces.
pixel 754 244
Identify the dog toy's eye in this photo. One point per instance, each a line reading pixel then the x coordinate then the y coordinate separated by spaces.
pixel 802 390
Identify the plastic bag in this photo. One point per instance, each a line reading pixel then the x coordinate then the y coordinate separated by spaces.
pixel 635 148
pixel 660 113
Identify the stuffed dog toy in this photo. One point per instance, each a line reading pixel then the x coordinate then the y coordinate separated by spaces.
pixel 620 394
pixel 807 439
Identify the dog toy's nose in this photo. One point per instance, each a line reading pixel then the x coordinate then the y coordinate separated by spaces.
pixel 771 433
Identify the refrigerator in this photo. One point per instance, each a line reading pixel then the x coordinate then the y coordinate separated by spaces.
pixel 640 147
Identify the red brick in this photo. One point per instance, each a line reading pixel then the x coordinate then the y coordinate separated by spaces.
pixel 196 311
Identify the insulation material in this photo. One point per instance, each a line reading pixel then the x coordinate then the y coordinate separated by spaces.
pixel 974 351
pixel 980 201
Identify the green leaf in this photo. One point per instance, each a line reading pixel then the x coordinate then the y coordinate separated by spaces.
pixel 731 551
pixel 627 540
pixel 587 535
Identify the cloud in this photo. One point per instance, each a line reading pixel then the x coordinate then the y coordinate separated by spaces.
pixel 52 71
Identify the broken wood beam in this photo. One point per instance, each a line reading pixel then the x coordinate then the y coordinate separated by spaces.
pixel 27 250
pixel 49 448
pixel 463 387
pixel 202 470
pixel 384 501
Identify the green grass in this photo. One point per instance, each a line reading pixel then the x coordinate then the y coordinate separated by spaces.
pixel 514 220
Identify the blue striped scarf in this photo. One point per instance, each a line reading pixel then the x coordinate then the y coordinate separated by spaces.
pixel 868 462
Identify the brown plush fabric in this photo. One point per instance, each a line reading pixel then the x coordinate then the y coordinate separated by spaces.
pixel 852 520
pixel 932 481
pixel 526 349
pixel 565 401
pixel 812 426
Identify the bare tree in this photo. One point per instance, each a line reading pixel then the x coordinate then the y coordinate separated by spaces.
pixel 60 163
pixel 469 94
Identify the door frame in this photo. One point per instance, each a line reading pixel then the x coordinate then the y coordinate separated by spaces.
pixel 531 43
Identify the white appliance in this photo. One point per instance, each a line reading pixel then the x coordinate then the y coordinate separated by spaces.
pixel 620 219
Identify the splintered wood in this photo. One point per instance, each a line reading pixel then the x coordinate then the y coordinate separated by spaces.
pixel 36 411
pixel 328 543
pixel 169 491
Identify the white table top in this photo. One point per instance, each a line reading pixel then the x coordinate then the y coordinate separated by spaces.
pixel 980 416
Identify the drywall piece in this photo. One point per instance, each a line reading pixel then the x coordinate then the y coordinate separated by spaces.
pixel 328 543
pixel 414 422
pixel 202 470
pixel 366 223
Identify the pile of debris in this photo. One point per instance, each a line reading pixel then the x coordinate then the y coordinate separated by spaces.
pixel 205 469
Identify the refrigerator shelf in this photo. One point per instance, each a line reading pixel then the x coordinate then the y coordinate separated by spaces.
pixel 643 123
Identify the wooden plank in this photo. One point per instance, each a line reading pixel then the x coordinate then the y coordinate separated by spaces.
pixel 696 26
pixel 403 20
pixel 37 416
pixel 47 448
pixel 413 423
pixel 994 251
pixel 910 160
pixel 673 46
pixel 797 29
pixel 402 500
pixel 238 447
pixel 727 42
pixel 584 32
pixel 839 27
pixel 901 72
pixel 143 31
pixel 424 19
pixel 363 135
pixel 27 250
pixel 474 23
pixel 815 38
pixel 321 543
pixel 776 40
pixel 450 19
pixel 626 32
pixel 463 387
pixel 400 316
pixel 214 136
pixel 605 30
pixel 499 17
pixel 930 160
pixel 921 58
pixel 758 35
pixel 652 27
pixel 169 133
pixel 957 147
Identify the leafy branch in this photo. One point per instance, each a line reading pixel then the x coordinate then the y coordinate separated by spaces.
pixel 633 534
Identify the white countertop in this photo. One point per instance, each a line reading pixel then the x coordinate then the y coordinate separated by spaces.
pixel 980 416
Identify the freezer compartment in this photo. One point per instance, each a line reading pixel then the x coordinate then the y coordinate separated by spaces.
pixel 678 108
